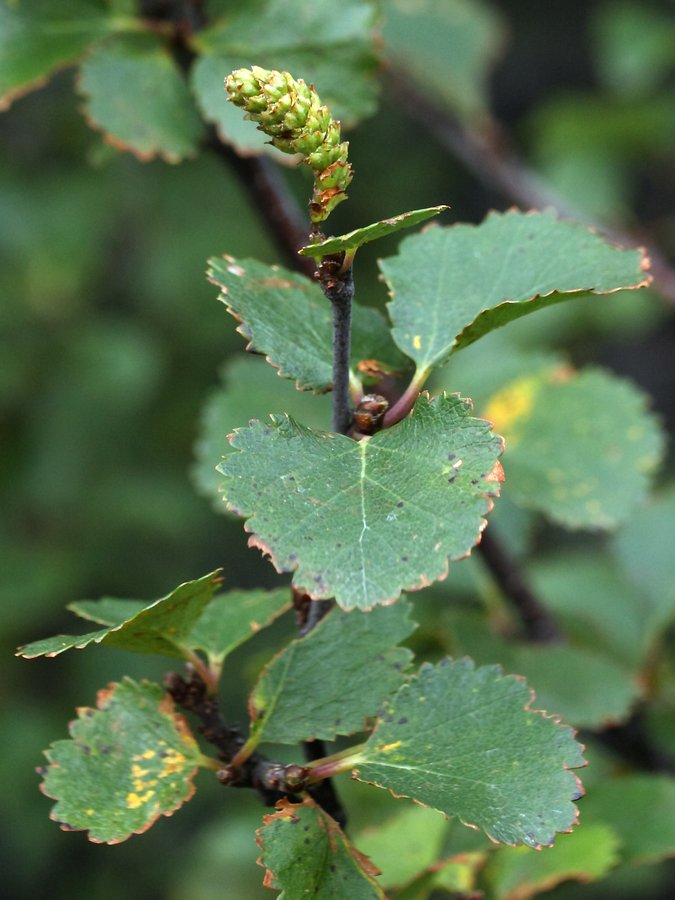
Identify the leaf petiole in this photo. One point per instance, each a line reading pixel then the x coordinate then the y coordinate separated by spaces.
pixel 406 401
pixel 335 764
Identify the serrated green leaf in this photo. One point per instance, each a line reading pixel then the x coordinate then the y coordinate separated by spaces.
pixel 249 389
pixel 641 809
pixel 449 48
pixel 588 854
pixel 306 853
pixel 136 95
pixel 333 52
pixel 39 37
pixel 363 521
pixel 644 551
pixel 290 704
pixel 159 628
pixel 580 447
pixel 465 741
pixel 234 617
pixel 129 761
pixel 452 285
pixel 287 318
pixel 350 242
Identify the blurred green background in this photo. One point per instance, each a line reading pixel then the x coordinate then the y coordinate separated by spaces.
pixel 112 338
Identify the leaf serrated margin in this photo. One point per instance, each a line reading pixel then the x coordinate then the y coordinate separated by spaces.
pixel 184 734
pixel 467 663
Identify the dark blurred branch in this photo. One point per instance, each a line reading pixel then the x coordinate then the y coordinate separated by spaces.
pixel 272 200
pixel 537 621
pixel 498 168
pixel 631 743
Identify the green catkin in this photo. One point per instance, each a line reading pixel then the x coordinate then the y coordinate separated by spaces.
pixel 290 112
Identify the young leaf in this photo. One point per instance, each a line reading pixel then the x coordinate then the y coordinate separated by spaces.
pixel 138 98
pixel 580 446
pixel 641 809
pixel 363 521
pixel 450 286
pixel 306 853
pixel 290 703
pixel 286 317
pixel 349 243
pixel 334 52
pixel 162 627
pixel 234 617
pixel 588 854
pixel 39 37
pixel 466 742
pixel 250 389
pixel 129 761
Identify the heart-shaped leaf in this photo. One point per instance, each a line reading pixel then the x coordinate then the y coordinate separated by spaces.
pixel 136 95
pixel 581 446
pixel 39 37
pixel 362 521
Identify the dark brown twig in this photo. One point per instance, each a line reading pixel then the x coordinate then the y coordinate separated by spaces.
pixel 338 286
pixel 538 623
pixel 257 771
pixel 262 181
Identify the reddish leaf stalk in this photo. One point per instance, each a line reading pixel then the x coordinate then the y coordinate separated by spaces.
pixel 406 401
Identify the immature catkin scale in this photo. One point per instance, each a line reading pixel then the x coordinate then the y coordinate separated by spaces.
pixel 290 112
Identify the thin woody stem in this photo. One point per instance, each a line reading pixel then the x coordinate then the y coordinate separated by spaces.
pixel 341 301
pixel 539 625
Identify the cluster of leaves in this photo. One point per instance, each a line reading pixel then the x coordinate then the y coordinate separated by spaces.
pixel 580 445
pixel 333 509
pixel 133 88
